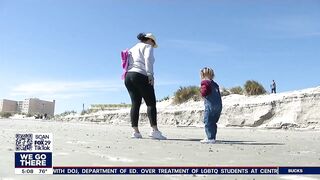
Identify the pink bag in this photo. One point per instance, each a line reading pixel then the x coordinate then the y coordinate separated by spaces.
pixel 125 62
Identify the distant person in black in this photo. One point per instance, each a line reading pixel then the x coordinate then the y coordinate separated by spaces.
pixel 273 87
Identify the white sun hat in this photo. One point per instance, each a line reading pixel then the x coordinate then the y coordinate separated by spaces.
pixel 151 36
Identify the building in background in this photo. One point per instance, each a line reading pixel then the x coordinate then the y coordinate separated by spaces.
pixel 8 106
pixel 32 106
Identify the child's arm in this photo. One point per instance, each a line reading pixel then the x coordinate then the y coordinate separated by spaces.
pixel 205 88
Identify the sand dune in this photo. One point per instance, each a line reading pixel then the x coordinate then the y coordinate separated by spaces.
pixel 297 109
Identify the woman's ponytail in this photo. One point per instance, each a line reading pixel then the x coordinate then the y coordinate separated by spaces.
pixel 142 37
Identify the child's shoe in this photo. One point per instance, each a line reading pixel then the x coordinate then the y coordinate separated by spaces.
pixel 157 135
pixel 136 135
pixel 208 141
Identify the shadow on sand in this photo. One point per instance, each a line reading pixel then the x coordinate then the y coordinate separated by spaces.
pixel 233 142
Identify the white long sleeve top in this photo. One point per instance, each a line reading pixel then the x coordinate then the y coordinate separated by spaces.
pixel 141 59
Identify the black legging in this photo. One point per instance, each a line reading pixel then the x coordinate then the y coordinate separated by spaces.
pixel 138 88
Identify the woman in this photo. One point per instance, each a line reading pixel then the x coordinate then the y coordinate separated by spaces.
pixel 139 81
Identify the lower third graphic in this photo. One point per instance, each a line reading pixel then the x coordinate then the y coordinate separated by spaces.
pixel 33 153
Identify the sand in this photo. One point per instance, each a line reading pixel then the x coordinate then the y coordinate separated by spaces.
pixel 98 144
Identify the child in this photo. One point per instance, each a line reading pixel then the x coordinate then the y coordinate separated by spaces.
pixel 212 103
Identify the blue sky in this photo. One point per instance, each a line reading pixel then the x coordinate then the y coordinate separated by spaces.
pixel 69 50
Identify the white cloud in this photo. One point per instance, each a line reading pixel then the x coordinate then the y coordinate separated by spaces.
pixel 312 34
pixel 294 26
pixel 198 46
pixel 64 89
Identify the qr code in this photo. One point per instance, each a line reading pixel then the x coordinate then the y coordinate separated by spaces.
pixel 24 142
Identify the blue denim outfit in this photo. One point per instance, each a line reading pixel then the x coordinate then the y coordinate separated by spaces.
pixel 212 111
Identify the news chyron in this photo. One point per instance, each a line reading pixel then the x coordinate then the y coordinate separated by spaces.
pixel 33 153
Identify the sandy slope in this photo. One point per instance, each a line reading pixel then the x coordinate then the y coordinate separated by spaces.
pixel 92 144
pixel 296 109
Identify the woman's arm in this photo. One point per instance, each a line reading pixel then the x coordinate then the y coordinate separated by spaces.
pixel 149 59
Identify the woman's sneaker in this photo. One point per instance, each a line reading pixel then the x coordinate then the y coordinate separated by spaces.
pixel 157 135
pixel 136 135
pixel 150 134
pixel 208 141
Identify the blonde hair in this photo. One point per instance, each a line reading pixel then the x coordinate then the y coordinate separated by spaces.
pixel 207 73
